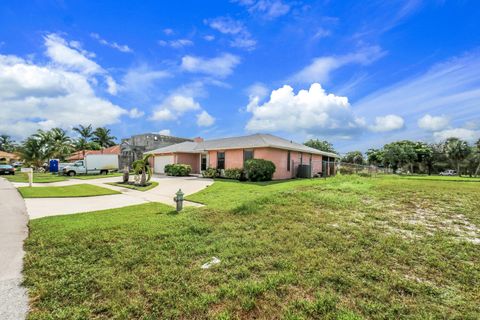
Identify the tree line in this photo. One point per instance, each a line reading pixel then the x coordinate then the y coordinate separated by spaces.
pixel 415 156
pixel 56 143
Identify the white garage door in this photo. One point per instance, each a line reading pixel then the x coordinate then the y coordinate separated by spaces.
pixel 161 162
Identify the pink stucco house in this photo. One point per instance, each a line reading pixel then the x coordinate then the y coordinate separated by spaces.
pixel 232 152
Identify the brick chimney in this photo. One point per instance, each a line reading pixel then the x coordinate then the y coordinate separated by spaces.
pixel 198 139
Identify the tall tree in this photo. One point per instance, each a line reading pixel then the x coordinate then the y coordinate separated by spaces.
pixel 322 145
pixel 33 151
pixel 374 156
pixel 55 143
pixel 355 157
pixel 84 142
pixel 456 150
pixel 6 143
pixel 398 154
pixel 477 145
pixel 103 137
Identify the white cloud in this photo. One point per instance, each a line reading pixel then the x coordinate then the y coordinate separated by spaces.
pixel 320 68
pixel 135 113
pixel 209 37
pixel 142 79
pixel 433 123
pixel 387 123
pixel 174 106
pixel 257 90
pixel 226 25
pixel 322 33
pixel 220 66
pixel 168 31
pixel 165 132
pixel 460 133
pixel 204 119
pixel 269 9
pixel 114 45
pixel 309 111
pixel 70 57
pixel 176 44
pixel 35 96
pixel 111 86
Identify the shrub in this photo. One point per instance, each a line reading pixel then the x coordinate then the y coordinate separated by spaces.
pixel 235 173
pixel 210 173
pixel 346 170
pixel 179 170
pixel 259 169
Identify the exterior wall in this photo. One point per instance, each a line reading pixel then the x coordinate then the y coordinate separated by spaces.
pixel 233 158
pixel 279 158
pixel 192 159
pixel 316 164
pixel 212 159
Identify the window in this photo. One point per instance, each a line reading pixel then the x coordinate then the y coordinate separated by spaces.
pixel 220 160
pixel 247 154
pixel 301 158
pixel 204 162
pixel 288 161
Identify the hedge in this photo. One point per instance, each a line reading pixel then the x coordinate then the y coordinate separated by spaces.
pixel 179 170
pixel 259 169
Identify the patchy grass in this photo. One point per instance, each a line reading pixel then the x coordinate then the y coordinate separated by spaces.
pixel 98 176
pixel 342 248
pixel 150 185
pixel 77 190
pixel 37 177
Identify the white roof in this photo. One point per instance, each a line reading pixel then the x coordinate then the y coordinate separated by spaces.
pixel 244 142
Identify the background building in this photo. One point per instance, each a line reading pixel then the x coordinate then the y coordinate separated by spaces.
pixel 132 148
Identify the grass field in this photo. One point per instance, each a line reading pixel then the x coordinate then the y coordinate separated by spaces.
pixel 151 185
pixel 98 176
pixel 341 248
pixel 77 190
pixel 37 177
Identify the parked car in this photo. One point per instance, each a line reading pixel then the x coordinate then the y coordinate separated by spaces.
pixel 448 173
pixel 6 169
pixel 17 164
pixel 93 164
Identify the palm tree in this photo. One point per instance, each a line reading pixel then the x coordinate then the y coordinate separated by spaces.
pixel 6 143
pixel 32 152
pixel 55 143
pixel 102 136
pixel 142 166
pixel 456 150
pixel 86 133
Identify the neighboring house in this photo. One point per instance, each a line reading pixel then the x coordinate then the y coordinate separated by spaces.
pixel 8 157
pixel 79 155
pixel 134 147
pixel 232 152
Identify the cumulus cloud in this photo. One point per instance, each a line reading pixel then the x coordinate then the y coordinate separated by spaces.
pixel 220 66
pixel 114 45
pixel 204 119
pixel 141 79
pixel 321 68
pixel 241 36
pixel 387 123
pixel 460 133
pixel 269 9
pixel 176 44
pixel 36 96
pixel 310 111
pixel 135 113
pixel 174 106
pixel 433 123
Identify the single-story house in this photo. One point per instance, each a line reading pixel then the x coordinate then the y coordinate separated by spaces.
pixel 8 157
pixel 78 155
pixel 229 153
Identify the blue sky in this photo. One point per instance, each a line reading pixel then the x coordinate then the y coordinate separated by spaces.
pixel 355 73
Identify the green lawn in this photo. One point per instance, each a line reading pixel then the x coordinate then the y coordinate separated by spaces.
pixel 342 248
pixel 77 190
pixel 151 185
pixel 98 176
pixel 37 177
pixel 442 178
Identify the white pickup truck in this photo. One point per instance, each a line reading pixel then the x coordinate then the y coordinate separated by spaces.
pixel 93 164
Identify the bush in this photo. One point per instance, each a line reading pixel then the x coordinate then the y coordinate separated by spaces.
pixel 259 169
pixel 210 173
pixel 346 170
pixel 178 170
pixel 235 173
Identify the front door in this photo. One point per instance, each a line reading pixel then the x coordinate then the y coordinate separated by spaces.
pixel 203 163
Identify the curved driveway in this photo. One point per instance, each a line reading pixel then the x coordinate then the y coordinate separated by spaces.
pixel 13 230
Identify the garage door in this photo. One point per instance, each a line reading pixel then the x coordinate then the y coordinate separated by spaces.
pixel 161 162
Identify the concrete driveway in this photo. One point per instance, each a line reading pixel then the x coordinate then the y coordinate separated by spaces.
pixel 13 230
pixel 163 193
